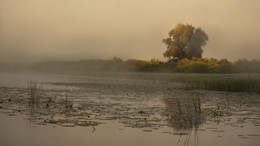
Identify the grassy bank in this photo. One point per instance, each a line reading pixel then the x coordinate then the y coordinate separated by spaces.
pixel 219 82
pixel 223 82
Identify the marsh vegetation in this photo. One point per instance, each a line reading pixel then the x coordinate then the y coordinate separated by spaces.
pixel 143 102
pixel 108 73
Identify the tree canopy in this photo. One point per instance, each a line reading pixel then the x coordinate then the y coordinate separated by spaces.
pixel 185 41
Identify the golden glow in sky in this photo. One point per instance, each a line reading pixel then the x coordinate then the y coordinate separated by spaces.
pixel 37 30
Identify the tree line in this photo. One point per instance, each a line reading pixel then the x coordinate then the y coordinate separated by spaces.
pixel 183 51
pixel 195 65
pixel 202 65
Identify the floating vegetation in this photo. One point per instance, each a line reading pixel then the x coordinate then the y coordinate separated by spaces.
pixel 138 104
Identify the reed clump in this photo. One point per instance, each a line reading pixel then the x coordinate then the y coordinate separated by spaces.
pixel 35 92
pixel 229 84
pixel 67 102
pixel 184 113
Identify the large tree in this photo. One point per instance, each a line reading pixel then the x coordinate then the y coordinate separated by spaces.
pixel 185 41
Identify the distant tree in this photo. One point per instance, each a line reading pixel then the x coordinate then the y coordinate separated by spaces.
pixel 116 59
pixel 185 41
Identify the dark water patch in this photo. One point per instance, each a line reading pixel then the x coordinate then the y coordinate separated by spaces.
pixel 244 137
pixel 166 132
pixel 146 130
pixel 11 114
pixel 218 130
pixel 201 129
pixel 180 133
pixel 252 135
pixel 211 128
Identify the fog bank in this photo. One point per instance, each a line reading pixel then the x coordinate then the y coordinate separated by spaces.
pixel 36 30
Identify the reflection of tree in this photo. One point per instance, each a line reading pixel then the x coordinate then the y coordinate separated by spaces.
pixel 184 114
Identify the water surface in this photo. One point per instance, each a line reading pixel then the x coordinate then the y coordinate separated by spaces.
pixel 85 110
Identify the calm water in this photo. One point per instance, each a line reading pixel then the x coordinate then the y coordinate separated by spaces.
pixel 76 110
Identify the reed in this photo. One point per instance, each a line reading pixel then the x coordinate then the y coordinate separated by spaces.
pixel 35 92
pixel 184 113
pixel 220 82
pixel 68 103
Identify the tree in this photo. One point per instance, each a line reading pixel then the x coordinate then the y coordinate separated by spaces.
pixel 185 41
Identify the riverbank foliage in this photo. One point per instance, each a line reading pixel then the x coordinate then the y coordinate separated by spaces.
pixel 202 65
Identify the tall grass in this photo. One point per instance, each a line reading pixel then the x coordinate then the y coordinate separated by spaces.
pixel 219 82
pixel 184 113
pixel 68 104
pixel 35 93
pixel 231 83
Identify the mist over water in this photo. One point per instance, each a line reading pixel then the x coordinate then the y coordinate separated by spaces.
pixel 92 72
pixel 35 30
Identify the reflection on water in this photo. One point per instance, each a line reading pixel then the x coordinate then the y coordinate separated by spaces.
pixel 134 105
pixel 184 115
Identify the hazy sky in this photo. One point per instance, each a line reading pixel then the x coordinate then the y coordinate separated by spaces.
pixel 38 30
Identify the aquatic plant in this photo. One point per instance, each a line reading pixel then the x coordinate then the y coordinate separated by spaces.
pixel 184 113
pixel 35 92
pixel 219 82
pixel 68 104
